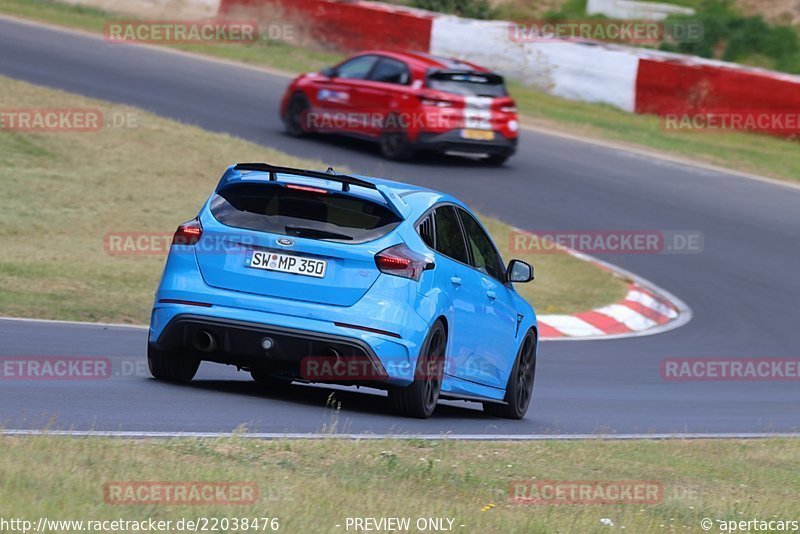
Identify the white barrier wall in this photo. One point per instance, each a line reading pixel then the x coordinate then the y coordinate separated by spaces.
pixel 630 9
pixel 588 72
pixel 156 8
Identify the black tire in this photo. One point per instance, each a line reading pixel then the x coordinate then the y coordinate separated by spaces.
pixel 419 399
pixel 519 389
pixel 295 117
pixel 394 141
pixel 171 365
pixel 497 160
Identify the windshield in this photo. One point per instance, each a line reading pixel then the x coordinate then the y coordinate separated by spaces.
pixel 326 216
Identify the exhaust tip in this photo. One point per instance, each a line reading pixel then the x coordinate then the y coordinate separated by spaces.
pixel 204 341
pixel 338 362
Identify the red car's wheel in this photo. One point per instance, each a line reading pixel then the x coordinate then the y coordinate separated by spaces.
pixel 295 117
pixel 394 142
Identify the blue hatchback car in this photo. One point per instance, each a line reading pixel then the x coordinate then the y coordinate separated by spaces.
pixel 293 274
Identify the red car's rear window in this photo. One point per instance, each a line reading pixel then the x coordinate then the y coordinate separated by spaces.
pixel 467 83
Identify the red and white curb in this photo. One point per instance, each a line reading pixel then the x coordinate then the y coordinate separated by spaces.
pixel 645 310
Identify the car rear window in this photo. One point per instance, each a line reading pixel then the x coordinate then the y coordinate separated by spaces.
pixel 276 209
pixel 467 83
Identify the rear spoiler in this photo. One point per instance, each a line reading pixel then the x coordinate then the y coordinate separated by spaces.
pixel 393 202
pixel 470 72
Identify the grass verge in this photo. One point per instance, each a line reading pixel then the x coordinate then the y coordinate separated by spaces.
pixel 312 486
pixel 72 189
pixel 759 154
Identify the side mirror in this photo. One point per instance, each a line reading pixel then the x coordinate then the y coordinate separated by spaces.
pixel 328 72
pixel 519 271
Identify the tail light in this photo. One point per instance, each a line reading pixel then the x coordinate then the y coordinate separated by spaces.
pixel 188 233
pixel 307 188
pixel 400 260
pixel 508 108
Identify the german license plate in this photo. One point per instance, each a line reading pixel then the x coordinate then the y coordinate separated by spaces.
pixel 284 263
pixel 477 135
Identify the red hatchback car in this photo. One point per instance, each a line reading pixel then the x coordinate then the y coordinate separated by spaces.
pixel 407 102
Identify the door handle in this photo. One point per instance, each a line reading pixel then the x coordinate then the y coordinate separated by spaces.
pixel 491 294
pixel 455 280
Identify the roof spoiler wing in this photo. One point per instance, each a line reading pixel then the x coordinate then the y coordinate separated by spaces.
pixel 452 72
pixel 393 202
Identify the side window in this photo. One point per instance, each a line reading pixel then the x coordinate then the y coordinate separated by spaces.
pixel 357 68
pixel 449 239
pixel 427 231
pixel 484 256
pixel 390 71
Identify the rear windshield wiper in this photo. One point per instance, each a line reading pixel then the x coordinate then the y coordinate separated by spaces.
pixel 314 233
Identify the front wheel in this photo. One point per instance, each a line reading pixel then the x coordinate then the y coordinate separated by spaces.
pixel 520 383
pixel 171 365
pixel 420 398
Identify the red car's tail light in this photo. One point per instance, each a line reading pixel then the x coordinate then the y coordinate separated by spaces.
pixel 188 233
pixel 400 260
pixel 508 109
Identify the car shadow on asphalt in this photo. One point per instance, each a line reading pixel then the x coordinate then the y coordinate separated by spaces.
pixel 365 401
pixel 363 146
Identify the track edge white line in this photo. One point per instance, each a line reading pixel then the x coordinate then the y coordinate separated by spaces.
pixel 428 437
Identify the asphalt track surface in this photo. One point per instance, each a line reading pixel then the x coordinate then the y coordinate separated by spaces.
pixel 743 288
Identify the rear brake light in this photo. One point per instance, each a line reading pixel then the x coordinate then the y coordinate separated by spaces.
pixel 307 188
pixel 188 233
pixel 400 260
pixel 508 109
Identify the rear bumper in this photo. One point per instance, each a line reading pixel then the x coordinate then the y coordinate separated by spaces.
pixel 451 141
pixel 300 347
pixel 292 352
pixel 392 305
